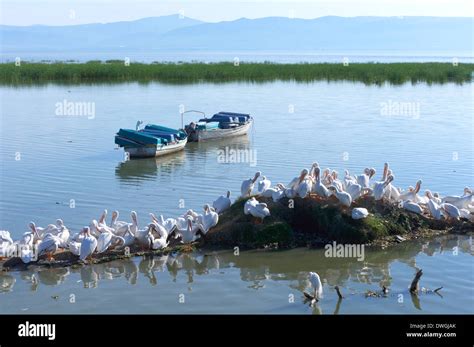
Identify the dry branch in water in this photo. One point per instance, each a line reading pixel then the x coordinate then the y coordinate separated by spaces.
pixel 414 284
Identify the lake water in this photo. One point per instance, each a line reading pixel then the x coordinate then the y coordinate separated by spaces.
pixel 55 166
pixel 253 282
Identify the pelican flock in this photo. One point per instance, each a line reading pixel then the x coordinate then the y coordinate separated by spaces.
pixel 100 236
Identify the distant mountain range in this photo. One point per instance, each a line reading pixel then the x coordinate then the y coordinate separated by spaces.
pixel 272 33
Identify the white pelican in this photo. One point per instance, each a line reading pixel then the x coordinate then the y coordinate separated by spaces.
pixel 334 181
pixel 380 188
pixel 316 284
pixel 192 214
pixel 209 219
pixel 348 179
pixel 411 206
pixel 190 233
pixel 63 233
pixel 248 204
pixel 159 231
pixel 128 238
pixel 119 227
pixel 343 197
pixel 326 178
pixel 222 203
pixel 280 193
pixel 102 219
pixel 263 184
pixel 268 193
pixel 295 182
pixel 451 210
pixel 435 209
pixel 145 237
pixel 5 237
pixel 430 196
pixel 459 201
pixel 313 166
pixel 364 179
pixel 412 193
pixel 305 187
pixel 157 242
pixel 39 232
pixel 134 225
pixel 319 188
pixel 169 224
pixel 49 245
pixel 107 240
pixel 6 244
pixel 259 210
pixel 88 245
pixel 354 190
pixel 359 213
pixel 247 186
pixel 74 247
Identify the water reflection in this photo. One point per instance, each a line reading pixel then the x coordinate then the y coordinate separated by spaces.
pixel 136 171
pixel 146 169
pixel 257 269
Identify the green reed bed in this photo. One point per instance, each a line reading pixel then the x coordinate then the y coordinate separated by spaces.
pixel 117 71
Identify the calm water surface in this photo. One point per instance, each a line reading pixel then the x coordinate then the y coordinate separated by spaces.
pixel 49 161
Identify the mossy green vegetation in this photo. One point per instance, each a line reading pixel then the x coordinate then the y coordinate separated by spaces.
pixel 114 71
pixel 311 221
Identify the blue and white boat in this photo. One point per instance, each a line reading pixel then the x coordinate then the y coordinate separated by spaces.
pixel 151 141
pixel 220 125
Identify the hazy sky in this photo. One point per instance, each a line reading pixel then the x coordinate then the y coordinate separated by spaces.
pixel 68 12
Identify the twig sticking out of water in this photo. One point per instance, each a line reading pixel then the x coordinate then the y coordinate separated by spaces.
pixel 437 289
pixel 338 291
pixel 414 284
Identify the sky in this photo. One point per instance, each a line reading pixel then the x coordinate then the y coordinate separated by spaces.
pixel 70 12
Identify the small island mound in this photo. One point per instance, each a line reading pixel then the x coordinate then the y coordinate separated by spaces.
pixel 314 222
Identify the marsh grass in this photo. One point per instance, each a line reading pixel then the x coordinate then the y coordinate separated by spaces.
pixel 113 71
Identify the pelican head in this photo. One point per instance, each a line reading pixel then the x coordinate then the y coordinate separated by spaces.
pixel 59 222
pixel 334 174
pixel 385 171
pixel 467 190
pixel 115 214
pixel 257 175
pixel 372 172
pixel 86 231
pixel 133 214
pixel 94 224
pixel 418 186
pixel 317 172
pixel 32 226
pixel 303 174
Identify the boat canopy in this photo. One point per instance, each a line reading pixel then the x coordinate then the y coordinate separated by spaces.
pixel 150 135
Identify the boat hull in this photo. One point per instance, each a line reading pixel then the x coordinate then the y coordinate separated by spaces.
pixel 206 135
pixel 158 150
